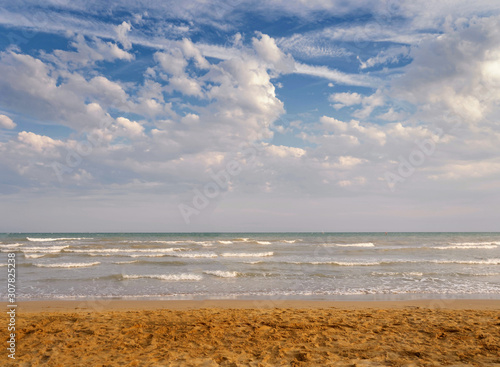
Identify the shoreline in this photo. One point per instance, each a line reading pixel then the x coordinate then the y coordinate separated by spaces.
pixel 105 305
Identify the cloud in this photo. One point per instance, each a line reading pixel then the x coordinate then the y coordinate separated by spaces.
pixel 305 47
pixel 390 56
pixel 368 103
pixel 38 143
pixel 88 52
pixel 122 32
pixel 166 111
pixel 6 122
pixel 456 72
pixel 266 48
pixel 334 75
pixel 131 129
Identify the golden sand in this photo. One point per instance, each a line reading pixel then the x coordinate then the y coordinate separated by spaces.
pixel 246 333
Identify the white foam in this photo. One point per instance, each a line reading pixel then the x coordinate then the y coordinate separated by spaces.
pixel 11 245
pixel 194 255
pixel 174 277
pixel 464 247
pixel 344 263
pixel 222 274
pixel 474 243
pixel 244 239
pixel 263 242
pixel 289 241
pixel 67 265
pixel 225 242
pixel 362 244
pixel 55 239
pixel 47 250
pixel 468 262
pixel 482 274
pixel 33 256
pixel 203 243
pixel 391 273
pixel 126 262
pixel 247 254
pixel 119 250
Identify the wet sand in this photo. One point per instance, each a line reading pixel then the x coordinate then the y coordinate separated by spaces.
pixel 256 333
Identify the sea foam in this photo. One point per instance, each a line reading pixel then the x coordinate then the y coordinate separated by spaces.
pixel 172 277
pixel 67 265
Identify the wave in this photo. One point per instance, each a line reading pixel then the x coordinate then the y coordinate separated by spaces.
pixel 11 245
pixel 392 273
pixel 247 254
pixel 222 274
pixel 193 255
pixel 67 265
pixel 225 242
pixel 479 274
pixel 202 243
pixel 33 256
pixel 345 263
pixel 56 239
pixel 173 277
pixel 47 250
pixel 162 254
pixel 474 243
pixel 362 244
pixel 142 261
pixel 468 262
pixel 289 241
pixel 119 250
pixel 263 242
pixel 243 239
pixel 464 247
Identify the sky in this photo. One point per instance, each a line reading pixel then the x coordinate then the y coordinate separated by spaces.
pixel 249 116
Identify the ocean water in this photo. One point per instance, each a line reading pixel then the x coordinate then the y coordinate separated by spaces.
pixel 253 265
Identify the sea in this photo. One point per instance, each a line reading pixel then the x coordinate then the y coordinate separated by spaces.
pixel 197 266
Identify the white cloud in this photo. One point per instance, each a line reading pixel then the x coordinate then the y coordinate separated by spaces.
pixel 389 56
pixel 392 115
pixel 306 47
pixel 454 72
pixel 284 151
pixel 345 99
pixel 369 103
pixel 87 53
pixel 172 62
pixel 334 75
pixel 122 31
pixel 6 122
pixel 38 143
pixel 131 129
pixel 266 48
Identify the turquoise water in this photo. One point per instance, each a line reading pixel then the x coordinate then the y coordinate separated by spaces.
pixel 254 265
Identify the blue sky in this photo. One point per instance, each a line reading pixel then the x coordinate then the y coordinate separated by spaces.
pixel 244 116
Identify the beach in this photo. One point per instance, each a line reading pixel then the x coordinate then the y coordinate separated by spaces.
pixel 256 333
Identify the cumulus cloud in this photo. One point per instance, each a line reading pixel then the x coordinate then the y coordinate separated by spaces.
pixel 368 103
pixel 194 106
pixel 267 49
pixel 122 34
pixel 456 71
pixel 6 122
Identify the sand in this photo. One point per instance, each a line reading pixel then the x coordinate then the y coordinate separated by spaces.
pixel 256 333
